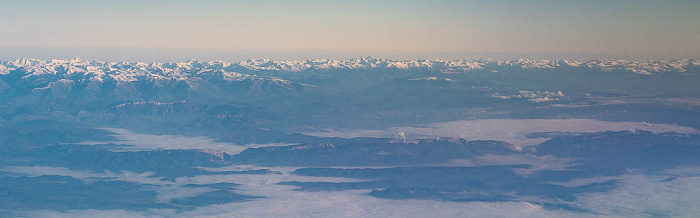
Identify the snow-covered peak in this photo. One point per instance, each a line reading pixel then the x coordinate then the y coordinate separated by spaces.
pixel 456 66
pixel 129 71
pixel 123 71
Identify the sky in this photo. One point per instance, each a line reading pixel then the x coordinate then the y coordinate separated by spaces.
pixel 667 29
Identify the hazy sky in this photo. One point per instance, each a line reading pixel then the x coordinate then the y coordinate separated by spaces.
pixel 590 28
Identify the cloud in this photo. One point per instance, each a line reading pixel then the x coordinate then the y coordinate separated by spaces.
pixel 585 181
pixel 167 190
pixel 35 171
pixel 684 170
pixel 337 204
pixel 284 201
pixel 357 204
pixel 637 196
pixel 536 163
pixel 644 196
pixel 87 214
pixel 515 131
pixel 145 142
pixel 534 96
pixel 684 103
pixel 167 194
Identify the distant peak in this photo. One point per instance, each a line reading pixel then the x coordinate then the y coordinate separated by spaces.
pixel 370 62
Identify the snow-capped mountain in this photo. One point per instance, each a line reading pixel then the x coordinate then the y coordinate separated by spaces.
pixel 645 67
pixel 126 71
pixel 123 71
pixel 129 79
pixel 360 90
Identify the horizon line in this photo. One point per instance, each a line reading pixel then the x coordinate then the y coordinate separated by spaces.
pixel 78 58
pixel 121 54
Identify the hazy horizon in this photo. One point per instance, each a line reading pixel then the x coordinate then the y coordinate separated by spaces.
pixel 234 30
pixel 234 55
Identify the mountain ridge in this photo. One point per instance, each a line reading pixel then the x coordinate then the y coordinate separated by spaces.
pixel 179 69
